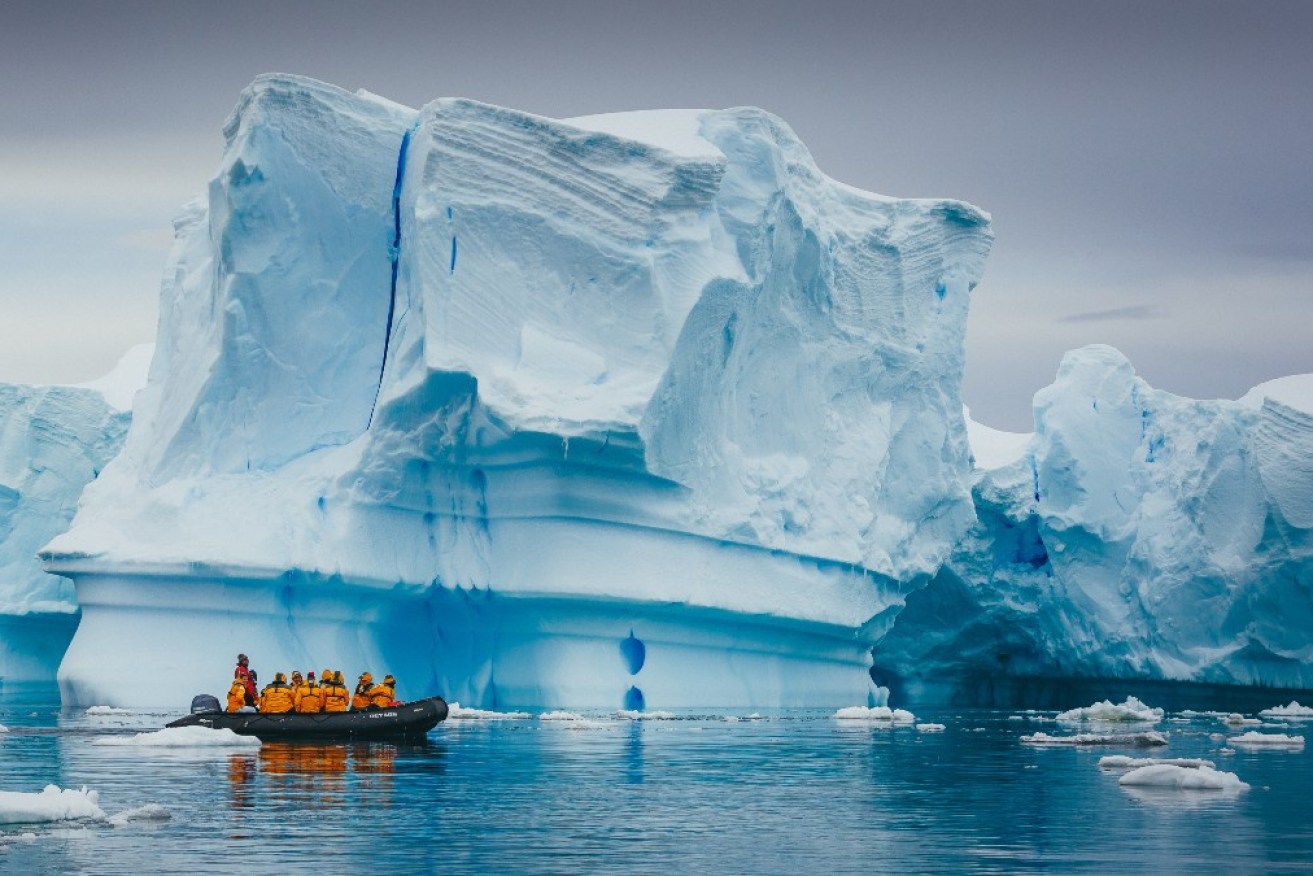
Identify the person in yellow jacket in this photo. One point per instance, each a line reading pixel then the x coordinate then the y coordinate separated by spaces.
pixel 237 694
pixel 381 695
pixel 361 698
pixel 276 698
pixel 309 697
pixel 336 697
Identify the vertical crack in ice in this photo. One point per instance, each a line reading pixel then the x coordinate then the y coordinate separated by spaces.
pixel 394 255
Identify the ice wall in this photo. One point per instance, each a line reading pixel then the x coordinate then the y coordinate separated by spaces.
pixel 53 441
pixel 1140 534
pixel 491 397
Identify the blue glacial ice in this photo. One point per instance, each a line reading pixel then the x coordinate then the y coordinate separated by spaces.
pixel 1136 534
pixel 53 441
pixel 631 409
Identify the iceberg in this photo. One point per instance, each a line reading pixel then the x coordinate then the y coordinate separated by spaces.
pixel 1138 534
pixel 623 411
pixel 53 441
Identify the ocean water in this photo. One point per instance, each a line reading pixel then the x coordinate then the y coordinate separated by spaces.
pixel 787 792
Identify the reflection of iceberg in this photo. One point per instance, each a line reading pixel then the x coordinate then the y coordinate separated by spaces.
pixel 636 410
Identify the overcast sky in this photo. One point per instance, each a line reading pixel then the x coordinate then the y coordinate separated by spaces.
pixel 1149 167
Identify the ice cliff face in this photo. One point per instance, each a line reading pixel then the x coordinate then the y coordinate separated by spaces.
pixel 539 412
pixel 53 441
pixel 1139 534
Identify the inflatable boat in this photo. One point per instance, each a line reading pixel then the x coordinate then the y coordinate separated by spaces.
pixel 407 721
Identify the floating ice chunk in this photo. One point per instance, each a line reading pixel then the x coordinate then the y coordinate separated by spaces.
pixel 108 710
pixel 1139 740
pixel 1131 711
pixel 52 804
pixel 457 712
pixel 1016 718
pixel 633 715
pixel 875 713
pixel 182 737
pixel 1294 710
pixel 1165 775
pixel 149 812
pixel 1122 762
pixel 3 729
pixel 930 728
pixel 561 716
pixel 1237 720
pixel 1272 740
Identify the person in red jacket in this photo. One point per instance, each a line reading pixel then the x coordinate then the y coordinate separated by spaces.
pixel 243 672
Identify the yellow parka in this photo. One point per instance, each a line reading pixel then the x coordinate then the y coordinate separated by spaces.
pixel 237 695
pixel 308 699
pixel 276 698
pixel 336 697
pixel 381 695
pixel 361 698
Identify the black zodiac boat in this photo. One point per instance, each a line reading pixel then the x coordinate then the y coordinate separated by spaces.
pixel 407 721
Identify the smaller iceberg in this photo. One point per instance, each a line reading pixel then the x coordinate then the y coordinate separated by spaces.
pixel 1132 711
pixel 1266 740
pixel 875 713
pixel 1294 710
pixel 1123 762
pixel 1166 775
pixel 182 737
pixel 1138 740
pixel 51 804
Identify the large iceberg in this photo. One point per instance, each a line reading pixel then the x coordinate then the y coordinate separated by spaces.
pixel 53 441
pixel 625 409
pixel 1136 534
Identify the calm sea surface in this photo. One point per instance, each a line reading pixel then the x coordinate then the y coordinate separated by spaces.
pixel 792 792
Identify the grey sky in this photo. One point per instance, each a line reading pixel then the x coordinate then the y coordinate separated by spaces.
pixel 1149 167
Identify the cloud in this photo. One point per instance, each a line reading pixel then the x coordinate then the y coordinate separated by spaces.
pixel 1118 314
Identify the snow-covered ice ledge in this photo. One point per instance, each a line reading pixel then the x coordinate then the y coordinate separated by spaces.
pixel 472 393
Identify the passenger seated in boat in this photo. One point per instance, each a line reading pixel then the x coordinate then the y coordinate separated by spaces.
pixel 276 698
pixel 335 695
pixel 237 694
pixel 383 694
pixel 308 697
pixel 361 698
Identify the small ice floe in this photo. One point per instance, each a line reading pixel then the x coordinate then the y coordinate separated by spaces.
pixel 3 729
pixel 1294 710
pixel 1266 740
pixel 1016 718
pixel 1235 719
pixel 635 715
pixel 1124 762
pixel 1165 775
pixel 182 737
pixel 108 710
pixel 875 713
pixel 1149 739
pixel 1132 711
pixel 52 804
pixel 930 728
pixel 149 812
pixel 457 712
pixel 559 715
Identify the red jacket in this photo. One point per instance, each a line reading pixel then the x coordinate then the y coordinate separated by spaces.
pixel 252 695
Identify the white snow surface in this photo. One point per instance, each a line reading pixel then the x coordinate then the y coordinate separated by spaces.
pixel 1149 739
pixel 994 448
pixel 1294 391
pixel 1274 740
pixel 1121 761
pixel 649 374
pixel 1294 710
pixel 875 713
pixel 49 805
pixel 108 710
pixel 181 737
pixel 1130 711
pixel 1200 778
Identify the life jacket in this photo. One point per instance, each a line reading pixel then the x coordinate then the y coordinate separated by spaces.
pixel 276 699
pixel 361 698
pixel 252 695
pixel 381 695
pixel 336 698
pixel 237 695
pixel 309 699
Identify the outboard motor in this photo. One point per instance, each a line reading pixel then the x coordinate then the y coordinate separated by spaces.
pixel 203 703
